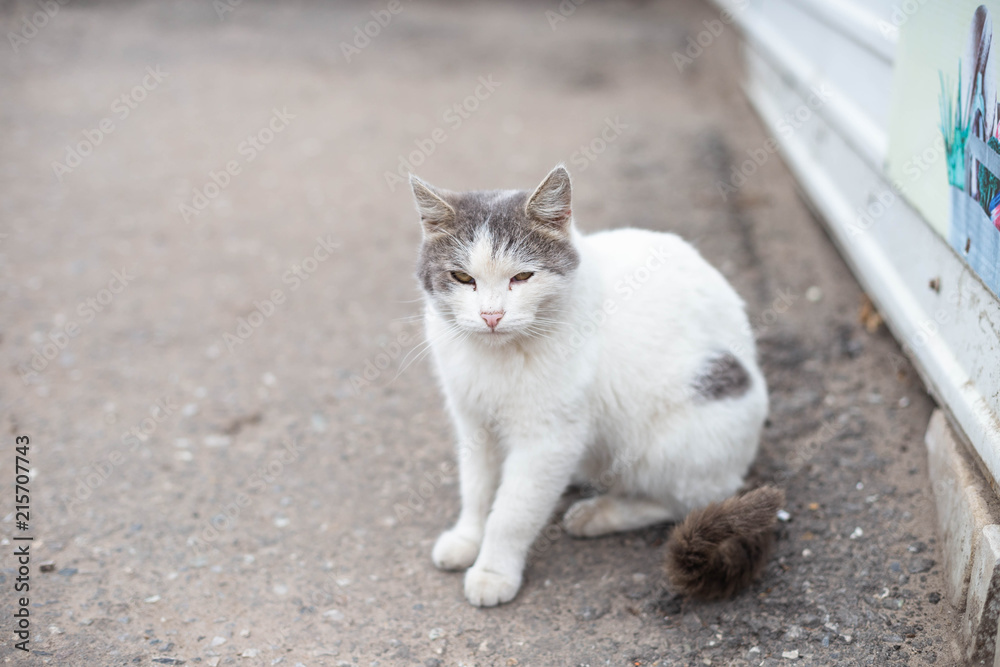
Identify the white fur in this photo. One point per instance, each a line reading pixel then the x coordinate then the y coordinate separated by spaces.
pixel 588 378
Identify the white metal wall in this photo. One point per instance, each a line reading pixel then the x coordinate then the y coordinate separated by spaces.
pixel 952 334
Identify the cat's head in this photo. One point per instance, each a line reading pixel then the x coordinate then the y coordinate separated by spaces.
pixel 498 264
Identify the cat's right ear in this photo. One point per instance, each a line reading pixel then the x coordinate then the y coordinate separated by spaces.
pixel 549 205
pixel 435 212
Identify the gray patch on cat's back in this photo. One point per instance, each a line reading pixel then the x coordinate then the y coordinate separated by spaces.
pixel 722 377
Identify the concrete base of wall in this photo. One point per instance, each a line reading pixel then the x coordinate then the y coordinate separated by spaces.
pixel 969 525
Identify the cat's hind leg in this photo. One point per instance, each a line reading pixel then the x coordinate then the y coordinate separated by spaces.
pixel 608 513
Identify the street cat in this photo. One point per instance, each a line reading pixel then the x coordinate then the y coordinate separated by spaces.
pixel 620 359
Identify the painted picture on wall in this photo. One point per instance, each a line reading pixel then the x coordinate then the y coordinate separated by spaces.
pixel 951 170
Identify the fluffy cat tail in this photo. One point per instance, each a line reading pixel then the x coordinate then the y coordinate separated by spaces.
pixel 721 548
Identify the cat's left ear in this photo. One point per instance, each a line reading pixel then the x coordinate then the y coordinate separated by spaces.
pixel 549 205
pixel 435 212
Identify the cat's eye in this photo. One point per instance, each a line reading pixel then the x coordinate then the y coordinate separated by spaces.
pixel 521 277
pixel 463 277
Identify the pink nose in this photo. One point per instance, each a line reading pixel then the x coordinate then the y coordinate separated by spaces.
pixel 492 319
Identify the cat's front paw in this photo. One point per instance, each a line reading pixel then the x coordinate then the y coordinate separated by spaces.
pixel 486 588
pixel 453 551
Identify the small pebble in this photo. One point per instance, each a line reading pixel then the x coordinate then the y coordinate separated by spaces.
pixel 814 294
pixel 920 565
pixel 857 533
pixel 784 516
pixel 810 621
pixel 336 615
pixel 218 641
pixel 790 655
pixel 217 440
pixel 47 566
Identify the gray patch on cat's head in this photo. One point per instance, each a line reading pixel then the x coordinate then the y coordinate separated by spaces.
pixel 722 377
pixel 534 227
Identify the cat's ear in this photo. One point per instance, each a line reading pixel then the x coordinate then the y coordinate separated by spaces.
pixel 435 212
pixel 549 205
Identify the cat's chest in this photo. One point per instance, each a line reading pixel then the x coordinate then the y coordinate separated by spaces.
pixel 499 379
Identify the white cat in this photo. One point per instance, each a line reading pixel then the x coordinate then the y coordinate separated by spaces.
pixel 621 359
